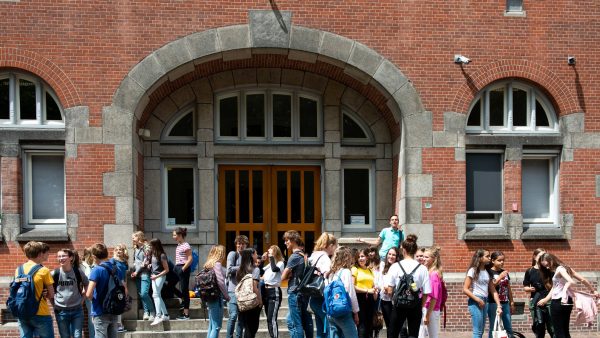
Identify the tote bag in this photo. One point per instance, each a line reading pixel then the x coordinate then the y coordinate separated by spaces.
pixel 499 331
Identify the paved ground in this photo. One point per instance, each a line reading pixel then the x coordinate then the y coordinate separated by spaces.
pixel 527 334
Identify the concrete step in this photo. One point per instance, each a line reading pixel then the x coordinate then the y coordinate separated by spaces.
pixel 198 313
pixel 191 324
pixel 262 333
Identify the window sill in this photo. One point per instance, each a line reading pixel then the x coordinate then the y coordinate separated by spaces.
pixel 518 14
pixel 543 232
pixel 46 235
pixel 485 233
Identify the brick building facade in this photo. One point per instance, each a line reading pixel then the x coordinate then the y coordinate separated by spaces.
pixel 259 117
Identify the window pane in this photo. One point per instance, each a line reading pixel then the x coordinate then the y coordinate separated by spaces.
pixel 541 119
pixel 484 182
pixel 180 196
pixel 244 191
pixel 257 196
pixel 351 129
pixel 309 197
pixel 295 197
pixel 282 197
pixel 4 99
pixel 230 205
pixel 257 241
pixel 536 188
pixel 497 107
pixel 308 118
pixel 475 115
pixel 514 5
pixel 356 195
pixel 184 127
pixel 255 115
pixel 282 115
pixel 47 187
pixel 520 109
pixel 52 110
pixel 27 99
pixel 228 116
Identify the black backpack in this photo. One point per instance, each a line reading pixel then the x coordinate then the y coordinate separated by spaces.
pixel 406 293
pixel 56 276
pixel 115 301
pixel 312 282
pixel 207 286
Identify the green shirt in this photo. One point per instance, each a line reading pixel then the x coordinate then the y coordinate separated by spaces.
pixel 389 238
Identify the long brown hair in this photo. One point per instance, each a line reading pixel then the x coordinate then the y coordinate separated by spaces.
pixel 548 272
pixel 475 262
pixel 342 259
pixel 386 264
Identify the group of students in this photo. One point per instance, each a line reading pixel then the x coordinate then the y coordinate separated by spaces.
pixel 549 282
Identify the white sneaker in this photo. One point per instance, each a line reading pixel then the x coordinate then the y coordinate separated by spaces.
pixel 156 321
pixel 151 318
pixel 146 316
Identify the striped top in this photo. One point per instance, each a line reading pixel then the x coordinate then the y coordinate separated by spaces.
pixel 180 253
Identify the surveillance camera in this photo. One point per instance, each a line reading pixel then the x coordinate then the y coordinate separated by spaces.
pixel 571 60
pixel 461 59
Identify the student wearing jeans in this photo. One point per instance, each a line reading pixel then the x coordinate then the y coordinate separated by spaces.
pixel 160 268
pixel 68 295
pixel 215 261
pixel 344 326
pixel 41 322
pixel 293 271
pixel 142 256
pixel 324 248
pixel 234 260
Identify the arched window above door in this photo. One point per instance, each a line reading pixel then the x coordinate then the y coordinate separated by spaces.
pixel 355 131
pixel 181 128
pixel 511 107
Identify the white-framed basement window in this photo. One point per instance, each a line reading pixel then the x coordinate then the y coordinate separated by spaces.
pixel 511 107
pixel 484 183
pixel 540 187
pixel 514 8
pixel 358 194
pixel 268 116
pixel 181 128
pixel 44 192
pixel 179 179
pixel 26 101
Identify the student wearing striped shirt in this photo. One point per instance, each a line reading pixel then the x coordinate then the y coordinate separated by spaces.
pixel 183 265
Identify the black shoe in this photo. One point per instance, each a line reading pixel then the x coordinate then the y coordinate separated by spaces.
pixel 183 317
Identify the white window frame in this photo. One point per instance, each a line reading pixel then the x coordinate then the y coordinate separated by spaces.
pixel 41 89
pixel 514 12
pixel 30 222
pixel 349 141
pixel 486 223
pixel 370 165
pixel 269 137
pixel 165 165
pixel 166 138
pixel 533 96
pixel 554 174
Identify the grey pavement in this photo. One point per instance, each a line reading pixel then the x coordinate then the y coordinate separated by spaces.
pixel 464 334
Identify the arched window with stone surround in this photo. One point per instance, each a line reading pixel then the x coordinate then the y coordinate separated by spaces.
pixel 181 128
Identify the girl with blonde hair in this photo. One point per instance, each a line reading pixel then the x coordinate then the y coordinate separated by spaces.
pixel 344 326
pixel 216 262
pixel 271 292
pixel 432 307
pixel 120 258
pixel 142 257
pixel 324 248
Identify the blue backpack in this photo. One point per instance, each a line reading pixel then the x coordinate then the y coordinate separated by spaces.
pixel 195 261
pixel 337 301
pixel 22 301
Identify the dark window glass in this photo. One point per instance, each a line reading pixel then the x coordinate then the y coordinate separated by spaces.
pixel 257 241
pixel 180 196
pixel 257 196
pixel 484 182
pixel 228 116
pixel 230 240
pixel 541 119
pixel 282 115
pixel 48 187
pixel 309 241
pixel 230 200
pixel 514 5
pixel 184 127
pixel 497 107
pixel 475 115
pixel 27 100
pixel 255 115
pixel 295 197
pixel 520 108
pixel 52 110
pixel 4 99
pixel 309 197
pixel 308 118
pixel 244 191
pixel 351 129
pixel 282 197
pixel 356 196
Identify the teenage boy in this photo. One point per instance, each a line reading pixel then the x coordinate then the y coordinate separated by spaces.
pixel 105 324
pixel 234 259
pixel 298 305
pixel 41 322
pixel 388 238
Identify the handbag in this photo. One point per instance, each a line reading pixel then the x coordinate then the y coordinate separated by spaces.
pixel 499 331
pixel 378 318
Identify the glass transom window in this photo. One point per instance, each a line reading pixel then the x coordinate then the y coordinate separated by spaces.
pixel 28 101
pixel 511 107
pixel 268 116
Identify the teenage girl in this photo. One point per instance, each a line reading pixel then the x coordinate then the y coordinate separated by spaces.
pixel 274 265
pixel 159 271
pixel 183 265
pixel 366 293
pixel 120 258
pixel 344 326
pixel 478 286
pixel 533 282
pixel 385 298
pixel 216 262
pixel 141 258
pixel 561 277
pixel 501 281
pixel 249 265
pixel 431 310
pixel 68 294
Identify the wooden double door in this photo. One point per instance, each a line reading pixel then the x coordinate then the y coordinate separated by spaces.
pixel 263 202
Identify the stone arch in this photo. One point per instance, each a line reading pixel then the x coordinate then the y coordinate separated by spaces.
pixel 50 72
pixel 559 92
